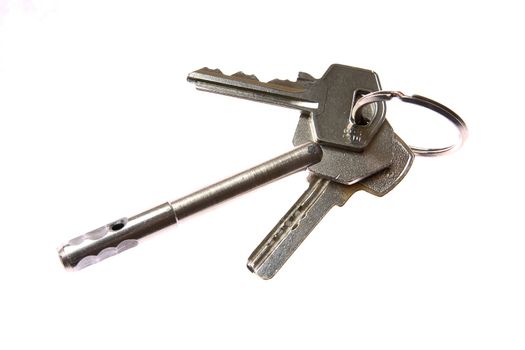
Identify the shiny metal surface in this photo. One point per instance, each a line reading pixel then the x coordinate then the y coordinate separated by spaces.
pixel 327 100
pixel 345 151
pixel 125 233
pixel 450 115
pixel 320 197
pixel 346 167
pixel 286 164
pixel 114 238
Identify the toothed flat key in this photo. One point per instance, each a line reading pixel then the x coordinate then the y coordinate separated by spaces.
pixel 325 104
pixel 321 196
pixel 328 100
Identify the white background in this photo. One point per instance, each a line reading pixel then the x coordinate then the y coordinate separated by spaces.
pixel 97 121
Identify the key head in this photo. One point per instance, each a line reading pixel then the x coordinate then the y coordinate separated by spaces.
pixel 332 123
pixel 344 166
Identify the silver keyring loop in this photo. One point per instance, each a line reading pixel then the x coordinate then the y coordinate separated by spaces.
pixel 379 96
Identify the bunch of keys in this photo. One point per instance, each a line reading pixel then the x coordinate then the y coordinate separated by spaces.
pixel 343 139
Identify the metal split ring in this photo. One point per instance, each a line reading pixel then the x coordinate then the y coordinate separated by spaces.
pixel 380 96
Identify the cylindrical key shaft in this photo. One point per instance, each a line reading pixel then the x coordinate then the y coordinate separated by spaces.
pixel 124 233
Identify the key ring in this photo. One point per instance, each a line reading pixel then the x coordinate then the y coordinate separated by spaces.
pixel 379 96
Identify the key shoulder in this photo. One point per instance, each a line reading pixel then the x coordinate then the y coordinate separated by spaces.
pixel 344 166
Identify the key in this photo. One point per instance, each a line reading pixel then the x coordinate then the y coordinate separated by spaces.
pixel 325 104
pixel 329 99
pixel 321 196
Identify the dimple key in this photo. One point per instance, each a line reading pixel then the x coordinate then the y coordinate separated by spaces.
pixel 327 100
pixel 320 197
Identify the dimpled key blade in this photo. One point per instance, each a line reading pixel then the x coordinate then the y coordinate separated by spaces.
pixel 295 226
pixel 321 196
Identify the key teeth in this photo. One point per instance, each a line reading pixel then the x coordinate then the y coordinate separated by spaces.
pixel 302 76
pixel 303 79
pixel 215 70
pixel 102 255
pixel 88 238
pixel 96 234
pixel 282 82
pixel 243 75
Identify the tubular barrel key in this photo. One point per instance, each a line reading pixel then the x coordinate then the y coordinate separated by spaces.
pixel 342 138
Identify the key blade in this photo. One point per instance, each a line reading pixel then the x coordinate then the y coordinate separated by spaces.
pixel 300 94
pixel 282 241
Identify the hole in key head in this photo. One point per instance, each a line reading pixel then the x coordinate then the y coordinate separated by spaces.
pixel 118 225
pixel 366 114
